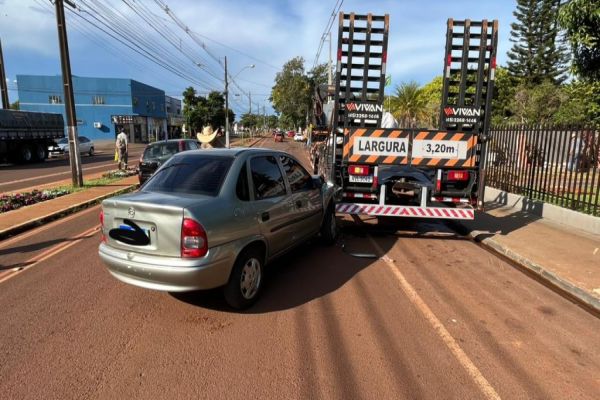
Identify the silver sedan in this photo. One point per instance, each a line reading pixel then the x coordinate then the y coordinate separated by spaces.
pixel 211 218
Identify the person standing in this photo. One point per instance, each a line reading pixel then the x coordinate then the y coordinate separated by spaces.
pixel 121 145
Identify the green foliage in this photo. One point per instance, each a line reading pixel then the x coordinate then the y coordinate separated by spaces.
pixel 203 111
pixel 537 104
pixel 505 87
pixel 409 105
pixel 581 21
pixel 292 93
pixel 15 106
pixel 432 94
pixel 537 54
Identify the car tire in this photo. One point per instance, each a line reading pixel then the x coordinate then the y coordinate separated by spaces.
pixel 91 152
pixel 329 230
pixel 245 280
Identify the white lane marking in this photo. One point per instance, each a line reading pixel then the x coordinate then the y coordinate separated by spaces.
pixel 51 252
pixel 439 328
pixel 55 174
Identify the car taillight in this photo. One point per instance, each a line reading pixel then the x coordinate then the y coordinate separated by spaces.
pixel 103 237
pixel 194 242
pixel 458 175
pixel 358 170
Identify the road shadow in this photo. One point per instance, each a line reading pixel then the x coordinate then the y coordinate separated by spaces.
pixel 313 270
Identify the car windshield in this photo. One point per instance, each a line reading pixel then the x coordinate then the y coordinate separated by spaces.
pixel 63 141
pixel 197 174
pixel 160 150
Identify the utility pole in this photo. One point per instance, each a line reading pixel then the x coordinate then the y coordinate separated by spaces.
pixel 3 85
pixel 329 70
pixel 226 106
pixel 74 156
pixel 250 111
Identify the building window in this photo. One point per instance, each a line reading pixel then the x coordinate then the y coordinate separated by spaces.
pixel 54 99
pixel 98 100
pixel 168 109
pixel 135 101
pixel 178 111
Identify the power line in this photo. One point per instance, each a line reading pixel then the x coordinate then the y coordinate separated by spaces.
pixel 336 10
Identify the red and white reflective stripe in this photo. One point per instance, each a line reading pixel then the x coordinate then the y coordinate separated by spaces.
pixel 450 199
pixel 360 195
pixel 405 211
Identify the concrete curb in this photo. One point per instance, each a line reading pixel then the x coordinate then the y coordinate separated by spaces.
pixel 34 223
pixel 539 271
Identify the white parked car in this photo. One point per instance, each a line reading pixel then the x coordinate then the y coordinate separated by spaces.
pixel 86 146
pixel 298 137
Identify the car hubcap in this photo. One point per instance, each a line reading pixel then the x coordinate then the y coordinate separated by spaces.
pixel 250 278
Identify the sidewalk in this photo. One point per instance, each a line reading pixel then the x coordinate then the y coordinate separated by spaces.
pixel 559 255
pixel 21 219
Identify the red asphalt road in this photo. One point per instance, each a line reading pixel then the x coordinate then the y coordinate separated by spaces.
pixel 434 316
pixel 25 176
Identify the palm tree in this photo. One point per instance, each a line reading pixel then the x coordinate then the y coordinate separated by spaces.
pixel 408 104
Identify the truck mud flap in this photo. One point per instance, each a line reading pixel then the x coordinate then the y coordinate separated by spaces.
pixel 405 211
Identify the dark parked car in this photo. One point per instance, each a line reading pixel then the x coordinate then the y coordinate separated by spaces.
pixel 156 154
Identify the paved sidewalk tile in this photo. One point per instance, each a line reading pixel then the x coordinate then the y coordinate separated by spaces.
pixel 569 255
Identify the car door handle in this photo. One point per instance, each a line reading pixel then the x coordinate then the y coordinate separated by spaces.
pixel 265 216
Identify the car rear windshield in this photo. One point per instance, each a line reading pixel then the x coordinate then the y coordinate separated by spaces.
pixel 160 150
pixel 198 174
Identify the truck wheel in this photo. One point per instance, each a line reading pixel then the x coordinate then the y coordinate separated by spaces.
pixel 245 280
pixel 40 152
pixel 329 228
pixel 26 153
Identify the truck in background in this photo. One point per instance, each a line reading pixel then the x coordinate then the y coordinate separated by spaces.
pixel 25 136
pixel 409 172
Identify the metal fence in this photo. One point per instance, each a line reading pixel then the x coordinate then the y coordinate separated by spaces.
pixel 558 165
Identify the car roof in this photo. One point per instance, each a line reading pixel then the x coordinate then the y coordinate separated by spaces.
pixel 234 152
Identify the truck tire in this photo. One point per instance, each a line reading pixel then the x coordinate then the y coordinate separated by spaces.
pixel 39 153
pixel 26 154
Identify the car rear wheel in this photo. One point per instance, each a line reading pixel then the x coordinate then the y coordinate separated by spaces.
pixel 329 229
pixel 91 152
pixel 245 281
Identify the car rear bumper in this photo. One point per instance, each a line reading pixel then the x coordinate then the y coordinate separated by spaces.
pixel 172 274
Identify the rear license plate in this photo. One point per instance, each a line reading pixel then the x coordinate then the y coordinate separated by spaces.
pixel 361 179
pixel 129 228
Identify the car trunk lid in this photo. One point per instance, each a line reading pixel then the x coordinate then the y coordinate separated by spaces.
pixel 157 216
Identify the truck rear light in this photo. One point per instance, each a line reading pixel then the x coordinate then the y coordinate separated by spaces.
pixel 194 243
pixel 103 236
pixel 458 175
pixel 359 170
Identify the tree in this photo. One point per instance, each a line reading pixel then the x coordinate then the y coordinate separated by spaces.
pixel 203 111
pixel 432 95
pixel 291 93
pixel 409 106
pixel 537 54
pixel 537 104
pixel 581 21
pixel 15 106
pixel 505 88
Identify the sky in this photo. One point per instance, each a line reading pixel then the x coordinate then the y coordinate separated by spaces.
pixel 265 33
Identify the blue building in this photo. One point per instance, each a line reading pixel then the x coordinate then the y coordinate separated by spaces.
pixel 104 106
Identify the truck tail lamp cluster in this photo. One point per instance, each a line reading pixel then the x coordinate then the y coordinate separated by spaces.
pixel 194 243
pixel 361 170
pixel 458 175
